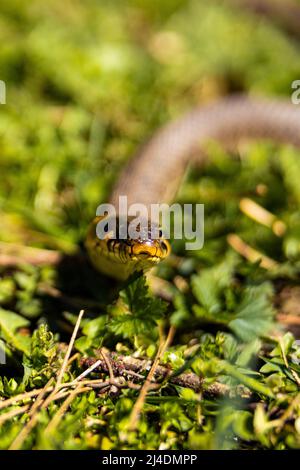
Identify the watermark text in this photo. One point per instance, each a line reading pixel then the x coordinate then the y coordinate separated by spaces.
pixel 168 221
pixel 296 94
pixel 2 92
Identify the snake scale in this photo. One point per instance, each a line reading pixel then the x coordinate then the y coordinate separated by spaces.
pixel 154 173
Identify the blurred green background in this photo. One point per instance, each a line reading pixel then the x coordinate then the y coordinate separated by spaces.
pixel 88 81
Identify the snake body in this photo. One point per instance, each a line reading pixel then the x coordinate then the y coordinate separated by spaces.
pixel 154 173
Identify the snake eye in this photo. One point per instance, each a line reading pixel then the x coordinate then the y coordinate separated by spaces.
pixel 165 246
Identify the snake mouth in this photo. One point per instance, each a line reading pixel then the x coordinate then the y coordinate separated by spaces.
pixel 144 247
pixel 118 257
pixel 149 249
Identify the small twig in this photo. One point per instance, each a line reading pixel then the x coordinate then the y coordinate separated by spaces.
pixel 108 364
pixel 69 350
pixel 288 412
pixel 18 441
pixel 88 371
pixel 33 415
pixel 296 377
pixel 20 397
pixel 13 254
pixel 98 384
pixel 33 393
pixel 133 374
pixel 288 319
pixel 281 345
pixel 262 216
pixel 58 384
pixel 83 387
pixel 40 398
pixel 12 413
pixel 133 386
pixel 61 411
pixel 128 365
pixel 73 358
pixel 88 383
pixel 134 417
pixel 250 253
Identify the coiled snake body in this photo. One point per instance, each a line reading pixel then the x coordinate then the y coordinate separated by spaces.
pixel 153 175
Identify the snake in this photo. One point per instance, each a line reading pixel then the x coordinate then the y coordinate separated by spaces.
pixel 154 173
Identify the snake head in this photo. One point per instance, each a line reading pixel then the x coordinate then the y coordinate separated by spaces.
pixel 120 257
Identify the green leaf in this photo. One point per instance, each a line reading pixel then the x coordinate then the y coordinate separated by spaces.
pixel 43 359
pixel 254 316
pixel 136 311
pixel 270 367
pixel 250 382
pixel 83 344
pixel 95 328
pixel 181 314
pixel 242 425
pixel 208 285
pixel 7 289
pixel 10 323
pixel 285 345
